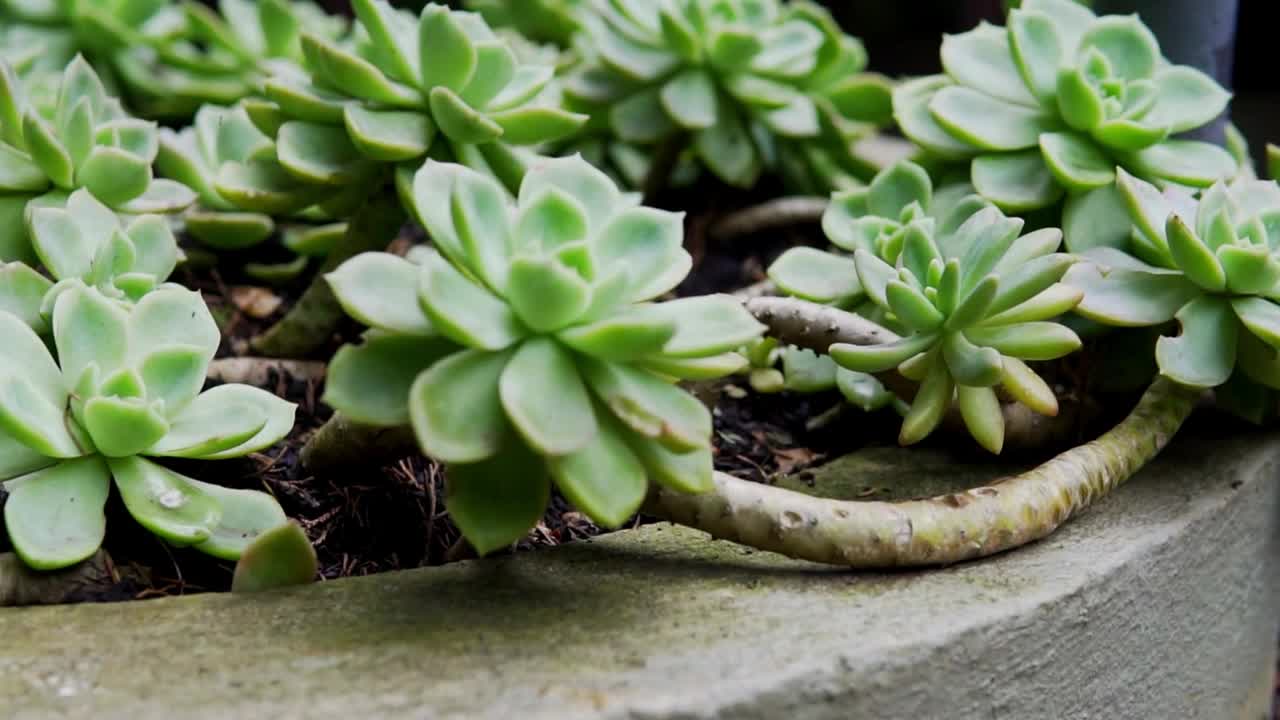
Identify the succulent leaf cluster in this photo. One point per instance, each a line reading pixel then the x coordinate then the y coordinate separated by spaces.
pixel 528 349
pixel 804 371
pixel 122 385
pixel 1058 99
pixel 442 85
pixel 194 156
pixel 975 299
pixel 753 83
pixel 541 21
pixel 1211 264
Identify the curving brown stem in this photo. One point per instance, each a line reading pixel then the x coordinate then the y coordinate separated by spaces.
pixel 940 530
pixel 310 323
pixel 774 214
pixel 263 372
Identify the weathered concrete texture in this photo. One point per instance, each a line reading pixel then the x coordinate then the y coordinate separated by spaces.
pixel 1161 603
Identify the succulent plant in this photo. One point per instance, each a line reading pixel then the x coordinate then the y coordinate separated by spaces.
pixel 975 302
pixel 752 83
pixel 194 155
pixel 1212 265
pixel 125 387
pixel 874 218
pixel 1056 101
pixel 443 85
pixel 543 21
pixel 527 350
pixel 89 150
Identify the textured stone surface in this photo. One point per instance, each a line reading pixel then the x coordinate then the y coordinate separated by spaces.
pixel 1160 603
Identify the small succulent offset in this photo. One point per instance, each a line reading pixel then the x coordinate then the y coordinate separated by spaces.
pixel 194 156
pixel 1212 265
pixel 1059 98
pixel 975 303
pixel 527 349
pixel 754 84
pixel 874 218
pixel 88 142
pixel 443 85
pixel 125 385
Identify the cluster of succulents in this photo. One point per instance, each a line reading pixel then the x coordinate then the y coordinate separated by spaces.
pixel 745 85
pixel 1053 102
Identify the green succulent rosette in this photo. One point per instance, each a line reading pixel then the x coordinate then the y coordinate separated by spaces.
pixel 755 84
pixel 442 85
pixel 1053 103
pixel 873 218
pixel 526 349
pixel 542 21
pixel 125 387
pixel 84 152
pixel 974 304
pixel 1210 264
pixel 194 155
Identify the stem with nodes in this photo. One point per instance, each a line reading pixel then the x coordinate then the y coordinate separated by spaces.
pixel 775 214
pixel 312 320
pixel 939 530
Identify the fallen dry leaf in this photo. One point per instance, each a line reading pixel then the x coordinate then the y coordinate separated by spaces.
pixel 258 303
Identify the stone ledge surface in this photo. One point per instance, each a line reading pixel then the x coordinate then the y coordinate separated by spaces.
pixel 1162 602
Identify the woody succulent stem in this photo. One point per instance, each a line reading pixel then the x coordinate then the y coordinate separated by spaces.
pixel 776 214
pixel 311 322
pixel 939 530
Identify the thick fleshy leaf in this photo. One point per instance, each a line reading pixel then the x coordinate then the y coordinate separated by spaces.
pixel 647 244
pixel 173 374
pixel 1187 99
pixel 817 276
pixel 114 176
pixel 393 37
pixel 381 291
pixel 729 151
pixel 707 368
pixel 1195 260
pixel 1056 300
pixel 21 292
pixel 46 150
pixel 15 245
pixel 929 406
pixel 896 187
pixel 170 315
pixel 497 501
pixel 1129 298
pixel 545 398
pixel 462 310
pixel 459 121
pixel 535 124
pixel 447 57
pixel 269 557
pixel 1204 352
pixel 389 135
pixel 707 325
pixel 596 192
pixel 279 412
pixel 370 382
pixel 495 69
pixel 912 308
pixel 1189 162
pixel 353 74
pixel 63 249
pixel 1017 182
pixel 1037 52
pixel 689 472
pixel 319 154
pixel 982 59
pixel 980 409
pixel 911 102
pixel 156 248
pixel 18 173
pixel 1025 386
pixel 1130 48
pixel 690 99
pixel 55 517
pixel 122 427
pixel 1027 341
pixel 164 502
pixel 605 479
pixel 1097 218
pixel 1079 102
pixel 455 407
pixel 1251 270
pixel 1260 316
pixel 1076 162
pixel 879 358
pixel 649 406
pixel 970 364
pixel 265 186
pixel 88 328
pixel 636 332
pixel 545 293
pixel 988 123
